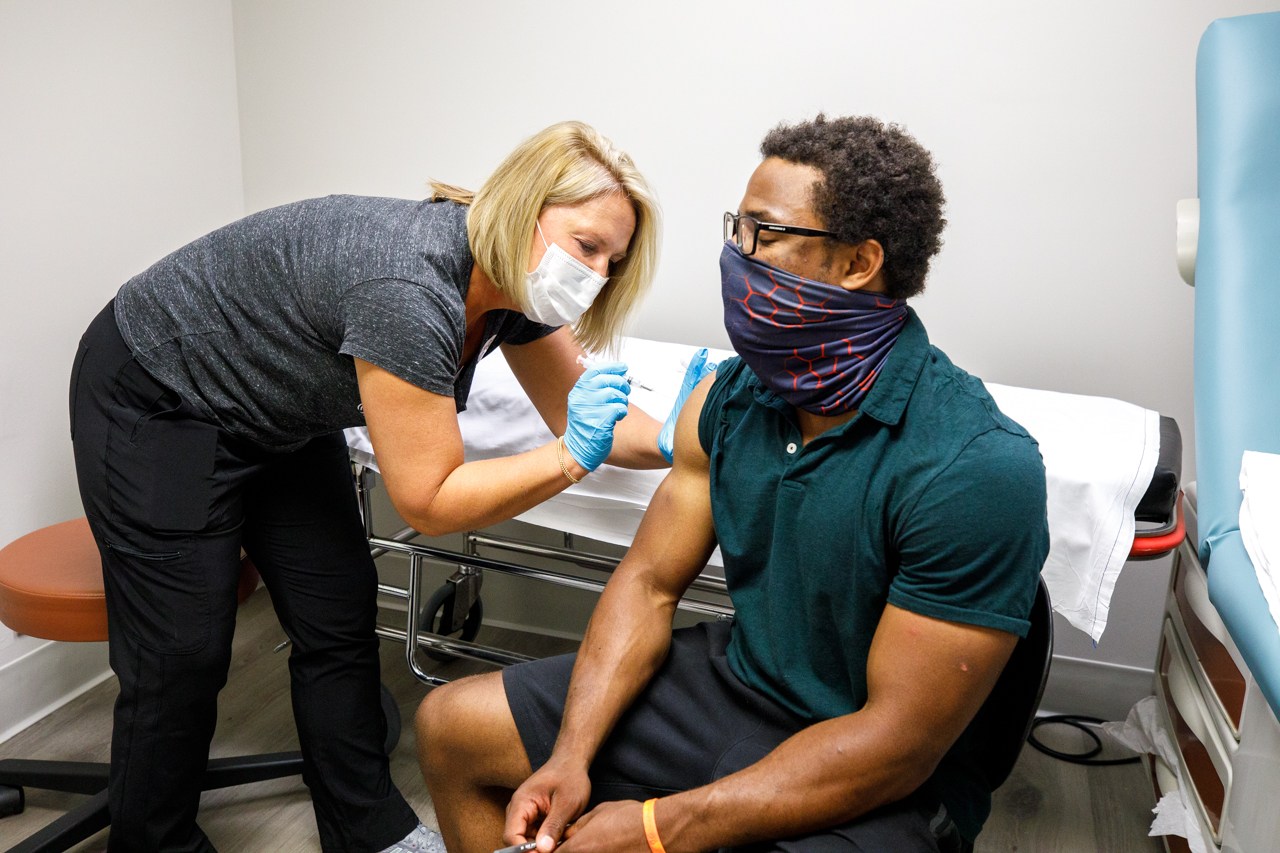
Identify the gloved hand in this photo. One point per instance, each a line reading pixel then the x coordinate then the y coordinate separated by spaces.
pixel 698 368
pixel 596 403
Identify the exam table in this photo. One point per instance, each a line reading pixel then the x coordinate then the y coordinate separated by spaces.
pixel 1218 665
pixel 1113 472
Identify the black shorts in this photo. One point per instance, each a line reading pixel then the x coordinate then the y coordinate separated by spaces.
pixel 694 723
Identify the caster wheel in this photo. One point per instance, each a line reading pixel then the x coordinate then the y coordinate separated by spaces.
pixel 391 711
pixel 12 800
pixel 431 612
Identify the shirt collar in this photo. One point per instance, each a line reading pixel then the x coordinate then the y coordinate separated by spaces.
pixel 887 399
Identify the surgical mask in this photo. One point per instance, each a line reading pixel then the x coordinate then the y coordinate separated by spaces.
pixel 815 345
pixel 562 288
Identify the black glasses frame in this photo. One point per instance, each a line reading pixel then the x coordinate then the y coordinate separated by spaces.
pixel 733 230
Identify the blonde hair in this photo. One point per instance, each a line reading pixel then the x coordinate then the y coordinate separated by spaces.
pixel 568 163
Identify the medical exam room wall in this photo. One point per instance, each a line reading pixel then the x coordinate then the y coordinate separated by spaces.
pixel 120 143
pixel 1064 134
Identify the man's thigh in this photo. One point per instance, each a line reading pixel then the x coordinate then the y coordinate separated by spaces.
pixel 692 721
pixel 468 724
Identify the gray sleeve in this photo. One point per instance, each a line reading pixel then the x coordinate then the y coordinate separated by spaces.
pixel 406 330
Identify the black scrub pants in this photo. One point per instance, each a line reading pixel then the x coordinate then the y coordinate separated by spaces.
pixel 171 500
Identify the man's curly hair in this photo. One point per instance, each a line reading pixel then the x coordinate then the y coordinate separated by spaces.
pixel 878 184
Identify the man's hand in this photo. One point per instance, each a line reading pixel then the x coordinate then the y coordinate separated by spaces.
pixel 616 827
pixel 546 803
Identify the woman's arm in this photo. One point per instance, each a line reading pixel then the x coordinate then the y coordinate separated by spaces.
pixel 415 434
pixel 548 367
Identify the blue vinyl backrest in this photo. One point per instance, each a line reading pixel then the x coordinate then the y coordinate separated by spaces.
pixel 1237 343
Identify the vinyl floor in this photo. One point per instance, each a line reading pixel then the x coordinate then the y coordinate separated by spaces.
pixel 1046 805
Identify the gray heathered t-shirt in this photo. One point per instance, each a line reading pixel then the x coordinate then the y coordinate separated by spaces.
pixel 255 324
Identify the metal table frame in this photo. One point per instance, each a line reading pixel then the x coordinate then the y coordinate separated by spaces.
pixel 471 563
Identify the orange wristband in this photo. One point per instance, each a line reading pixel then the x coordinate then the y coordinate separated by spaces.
pixel 651 827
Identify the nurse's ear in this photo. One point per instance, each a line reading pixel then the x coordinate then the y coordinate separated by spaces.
pixel 861 267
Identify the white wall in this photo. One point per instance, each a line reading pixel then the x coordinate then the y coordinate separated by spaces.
pixel 1064 132
pixel 121 143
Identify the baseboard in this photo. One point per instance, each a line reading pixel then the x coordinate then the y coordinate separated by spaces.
pixel 46 678
pixel 1094 688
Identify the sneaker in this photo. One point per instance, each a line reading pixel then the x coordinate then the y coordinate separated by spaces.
pixel 421 840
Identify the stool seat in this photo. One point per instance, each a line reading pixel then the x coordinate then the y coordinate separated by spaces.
pixel 51 584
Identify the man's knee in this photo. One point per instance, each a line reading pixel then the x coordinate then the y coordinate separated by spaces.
pixel 465 731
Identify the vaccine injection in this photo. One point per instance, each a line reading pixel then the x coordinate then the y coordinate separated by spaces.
pixel 631 380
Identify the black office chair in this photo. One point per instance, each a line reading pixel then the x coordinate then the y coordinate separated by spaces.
pixel 1004 720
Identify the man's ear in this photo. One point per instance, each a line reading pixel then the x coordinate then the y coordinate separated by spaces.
pixel 861 267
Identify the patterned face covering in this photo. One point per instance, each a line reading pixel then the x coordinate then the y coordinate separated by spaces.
pixel 815 345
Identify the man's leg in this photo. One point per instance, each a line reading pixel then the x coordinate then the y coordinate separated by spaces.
pixel 303 532
pixel 694 723
pixel 472 759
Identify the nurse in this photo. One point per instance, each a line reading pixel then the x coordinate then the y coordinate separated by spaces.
pixel 207 403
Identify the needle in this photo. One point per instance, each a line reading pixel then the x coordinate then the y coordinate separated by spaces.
pixel 631 380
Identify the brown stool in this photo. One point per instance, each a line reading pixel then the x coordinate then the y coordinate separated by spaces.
pixel 51 587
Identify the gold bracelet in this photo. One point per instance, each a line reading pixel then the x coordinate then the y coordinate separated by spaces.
pixel 651 827
pixel 563 467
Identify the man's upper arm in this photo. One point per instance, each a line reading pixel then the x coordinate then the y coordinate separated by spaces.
pixel 926 679
pixel 971 547
pixel 677 535
pixel 970 554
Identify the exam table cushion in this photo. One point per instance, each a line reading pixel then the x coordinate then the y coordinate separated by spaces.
pixel 1237 353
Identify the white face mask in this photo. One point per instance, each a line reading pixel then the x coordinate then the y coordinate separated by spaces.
pixel 562 288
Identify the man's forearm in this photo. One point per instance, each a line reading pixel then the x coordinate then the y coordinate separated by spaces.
pixel 625 643
pixel 824 775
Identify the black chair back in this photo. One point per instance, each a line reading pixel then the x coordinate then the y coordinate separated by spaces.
pixel 1004 720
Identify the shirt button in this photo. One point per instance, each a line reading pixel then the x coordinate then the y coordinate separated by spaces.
pixel 791 448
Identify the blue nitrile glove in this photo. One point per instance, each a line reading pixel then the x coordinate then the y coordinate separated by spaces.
pixel 596 403
pixel 698 368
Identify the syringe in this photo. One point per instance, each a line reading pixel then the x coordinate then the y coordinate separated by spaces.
pixel 588 362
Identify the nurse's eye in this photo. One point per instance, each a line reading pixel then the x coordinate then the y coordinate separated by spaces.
pixel 587 248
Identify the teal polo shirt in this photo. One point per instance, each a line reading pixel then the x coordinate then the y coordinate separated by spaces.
pixel 929 499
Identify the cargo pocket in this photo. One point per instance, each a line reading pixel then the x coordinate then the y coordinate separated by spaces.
pixel 180 491
pixel 159 596
pixel 160 470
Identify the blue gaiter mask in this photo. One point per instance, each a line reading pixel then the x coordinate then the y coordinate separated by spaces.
pixel 815 345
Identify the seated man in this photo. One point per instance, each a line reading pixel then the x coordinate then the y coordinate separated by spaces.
pixel 882 524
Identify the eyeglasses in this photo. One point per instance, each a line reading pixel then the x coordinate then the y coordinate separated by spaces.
pixel 745 230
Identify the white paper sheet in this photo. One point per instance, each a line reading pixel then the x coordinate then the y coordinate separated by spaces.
pixel 1099 456
pixel 1260 522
